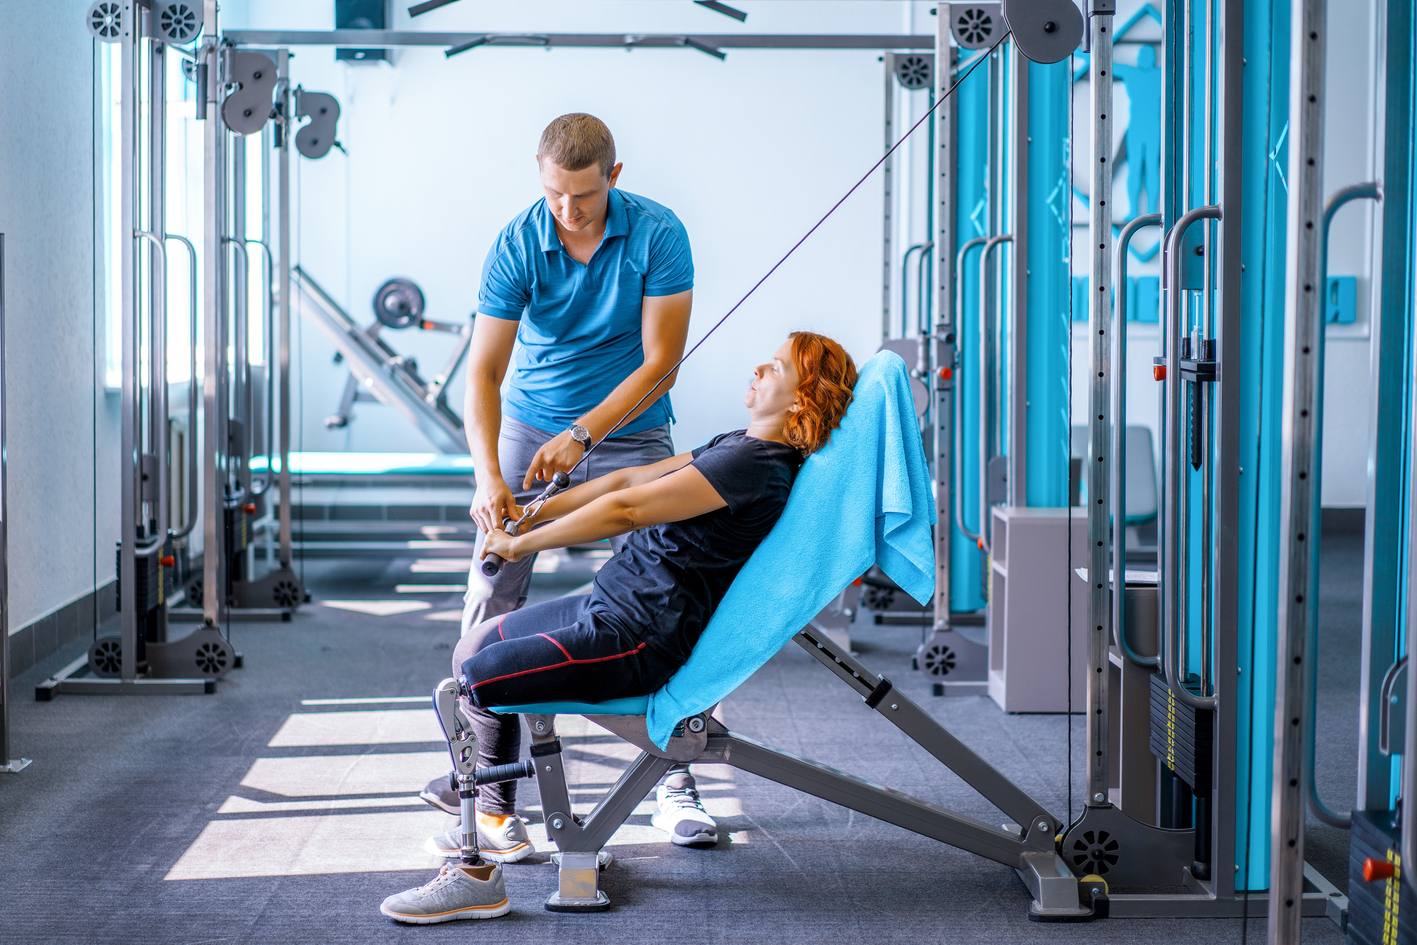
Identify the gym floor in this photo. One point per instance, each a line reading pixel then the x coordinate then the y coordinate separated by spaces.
pixel 259 815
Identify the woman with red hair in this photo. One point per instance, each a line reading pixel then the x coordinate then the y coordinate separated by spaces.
pixel 693 520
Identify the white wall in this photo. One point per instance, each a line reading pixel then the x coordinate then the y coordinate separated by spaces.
pixel 749 152
pixel 60 544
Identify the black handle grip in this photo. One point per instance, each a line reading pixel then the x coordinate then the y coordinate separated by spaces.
pixel 493 562
pixel 496 773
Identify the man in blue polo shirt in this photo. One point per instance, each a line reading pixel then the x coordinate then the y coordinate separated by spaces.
pixel 591 287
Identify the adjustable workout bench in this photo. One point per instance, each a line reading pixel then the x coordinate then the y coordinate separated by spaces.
pixel 1027 845
pixel 864 498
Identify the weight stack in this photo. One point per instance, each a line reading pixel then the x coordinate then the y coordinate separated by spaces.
pixel 1384 911
pixel 148 588
pixel 1182 737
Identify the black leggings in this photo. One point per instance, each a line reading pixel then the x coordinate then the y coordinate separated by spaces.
pixel 556 651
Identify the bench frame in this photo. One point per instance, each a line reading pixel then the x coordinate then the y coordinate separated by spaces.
pixel 1030 848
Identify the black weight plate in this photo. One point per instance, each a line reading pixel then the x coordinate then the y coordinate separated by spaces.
pixel 398 303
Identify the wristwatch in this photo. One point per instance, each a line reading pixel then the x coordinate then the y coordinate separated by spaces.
pixel 581 435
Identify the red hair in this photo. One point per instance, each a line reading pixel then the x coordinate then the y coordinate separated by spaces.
pixel 825 377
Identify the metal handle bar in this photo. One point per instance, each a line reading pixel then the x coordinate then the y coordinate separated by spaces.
pixel 922 306
pixel 985 376
pixel 243 363
pixel 959 395
pixel 268 331
pixel 1172 633
pixel 193 453
pixel 157 386
pixel 1321 810
pixel 905 284
pixel 1119 449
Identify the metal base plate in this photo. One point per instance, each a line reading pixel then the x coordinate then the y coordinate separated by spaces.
pixel 600 903
pixel 14 766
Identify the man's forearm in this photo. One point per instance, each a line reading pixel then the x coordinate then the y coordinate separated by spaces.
pixel 601 418
pixel 482 424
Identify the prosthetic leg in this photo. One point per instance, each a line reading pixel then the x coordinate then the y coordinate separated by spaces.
pixel 462 744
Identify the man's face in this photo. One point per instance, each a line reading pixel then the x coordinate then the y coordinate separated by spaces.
pixel 577 198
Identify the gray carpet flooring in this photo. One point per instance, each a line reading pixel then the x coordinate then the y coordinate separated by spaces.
pixel 269 814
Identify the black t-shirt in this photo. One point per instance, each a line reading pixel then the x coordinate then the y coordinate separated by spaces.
pixel 668 579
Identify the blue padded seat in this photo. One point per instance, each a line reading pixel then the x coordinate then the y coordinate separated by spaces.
pixel 632 705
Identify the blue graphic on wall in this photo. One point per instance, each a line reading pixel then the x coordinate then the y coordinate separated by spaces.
pixel 1143 82
pixel 1142 140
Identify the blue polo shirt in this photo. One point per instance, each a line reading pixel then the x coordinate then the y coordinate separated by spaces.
pixel 580 332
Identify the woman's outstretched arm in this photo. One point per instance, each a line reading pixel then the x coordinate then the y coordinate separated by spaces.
pixel 560 506
pixel 683 493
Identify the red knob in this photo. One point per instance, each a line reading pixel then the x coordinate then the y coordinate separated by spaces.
pixel 1374 870
pixel 1158 371
pixel 946 373
pixel 167 561
pixel 426 326
pixel 249 508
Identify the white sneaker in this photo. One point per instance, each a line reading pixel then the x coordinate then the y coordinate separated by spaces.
pixel 681 814
pixel 508 844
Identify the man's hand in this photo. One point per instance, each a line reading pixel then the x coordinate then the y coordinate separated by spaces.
pixel 500 543
pixel 559 454
pixel 492 502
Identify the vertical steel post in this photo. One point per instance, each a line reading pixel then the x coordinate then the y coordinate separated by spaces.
pixel 1299 463
pixel 283 160
pixel 888 194
pixel 1225 545
pixel 1017 424
pixel 130 464
pixel 1099 457
pixel 7 764
pixel 942 365
pixel 214 331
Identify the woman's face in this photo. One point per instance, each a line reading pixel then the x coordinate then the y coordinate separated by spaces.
pixel 773 390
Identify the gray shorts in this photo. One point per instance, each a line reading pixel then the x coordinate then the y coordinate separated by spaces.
pixel 516 448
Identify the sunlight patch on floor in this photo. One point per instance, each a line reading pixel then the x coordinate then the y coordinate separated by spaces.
pixel 441 566
pixel 300 846
pixel 326 775
pixel 376 727
pixel 378 608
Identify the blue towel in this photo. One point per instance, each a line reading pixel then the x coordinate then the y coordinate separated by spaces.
pixel 863 499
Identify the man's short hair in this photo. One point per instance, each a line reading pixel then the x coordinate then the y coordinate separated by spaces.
pixel 576 141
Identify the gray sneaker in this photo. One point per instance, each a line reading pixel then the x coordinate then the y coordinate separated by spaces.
pixel 506 845
pixel 457 892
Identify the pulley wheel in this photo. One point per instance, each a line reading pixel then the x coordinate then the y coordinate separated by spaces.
pixel 915 71
pixel 398 303
pixel 214 657
pixel 105 20
pixel 106 657
pixel 975 25
pixel 180 21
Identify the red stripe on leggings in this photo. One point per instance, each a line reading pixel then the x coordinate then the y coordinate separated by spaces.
pixel 499 627
pixel 567 662
pixel 558 646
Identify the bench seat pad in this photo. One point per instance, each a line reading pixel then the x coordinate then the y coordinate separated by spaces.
pixel 632 705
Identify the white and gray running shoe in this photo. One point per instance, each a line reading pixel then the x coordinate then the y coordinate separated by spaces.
pixel 681 814
pixel 458 891
pixel 507 844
